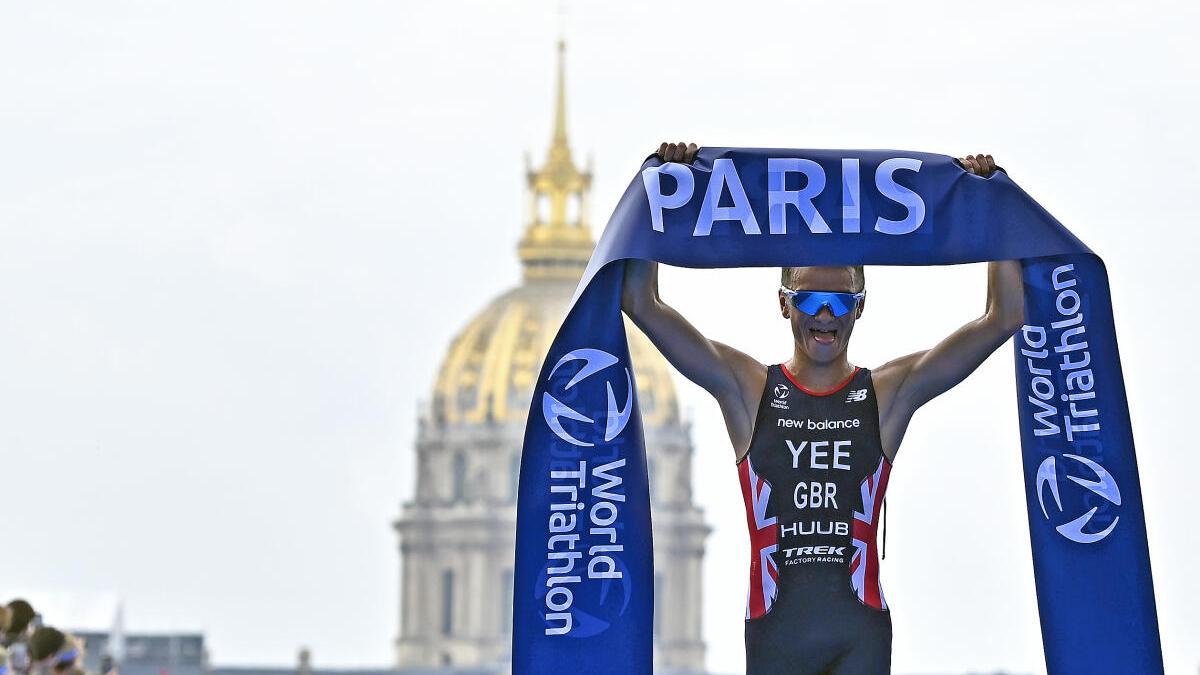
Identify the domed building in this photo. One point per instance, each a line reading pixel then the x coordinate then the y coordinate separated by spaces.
pixel 457 535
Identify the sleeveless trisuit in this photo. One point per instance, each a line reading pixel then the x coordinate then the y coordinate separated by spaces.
pixel 813 481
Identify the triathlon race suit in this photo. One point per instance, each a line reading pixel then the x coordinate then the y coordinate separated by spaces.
pixel 813 480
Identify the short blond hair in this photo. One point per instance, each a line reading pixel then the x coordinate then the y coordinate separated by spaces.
pixel 787 276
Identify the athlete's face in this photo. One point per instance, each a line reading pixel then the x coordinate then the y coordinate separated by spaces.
pixel 823 337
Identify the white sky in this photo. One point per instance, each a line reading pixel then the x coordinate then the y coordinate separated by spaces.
pixel 226 238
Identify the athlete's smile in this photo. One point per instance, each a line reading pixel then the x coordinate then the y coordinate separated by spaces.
pixel 825 335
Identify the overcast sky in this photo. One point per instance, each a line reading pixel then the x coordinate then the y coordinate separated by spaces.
pixel 228 238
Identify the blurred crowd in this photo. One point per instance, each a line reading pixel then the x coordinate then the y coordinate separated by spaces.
pixel 29 648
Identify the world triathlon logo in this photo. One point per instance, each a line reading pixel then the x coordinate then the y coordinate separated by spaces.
pixel 781 394
pixel 585 584
pixel 554 410
pixel 1103 486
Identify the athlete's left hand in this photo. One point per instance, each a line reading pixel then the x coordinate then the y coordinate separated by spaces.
pixel 980 165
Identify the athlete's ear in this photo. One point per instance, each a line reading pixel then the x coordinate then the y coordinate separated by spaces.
pixel 861 304
pixel 783 305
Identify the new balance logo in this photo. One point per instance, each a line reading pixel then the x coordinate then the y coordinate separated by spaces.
pixel 856 395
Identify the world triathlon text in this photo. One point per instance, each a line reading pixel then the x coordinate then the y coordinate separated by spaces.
pixel 561 548
pixel 1062 347
pixel 780 200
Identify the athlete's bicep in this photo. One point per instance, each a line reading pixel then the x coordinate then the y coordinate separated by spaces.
pixel 726 373
pixel 739 406
pixel 687 349
pixel 935 371
pixel 895 411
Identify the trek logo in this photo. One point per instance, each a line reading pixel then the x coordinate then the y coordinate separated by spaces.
pixel 856 395
pixel 724 180
pixel 554 410
pixel 813 550
pixel 1104 486
pixel 781 394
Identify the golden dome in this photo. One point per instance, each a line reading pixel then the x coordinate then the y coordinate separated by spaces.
pixel 489 370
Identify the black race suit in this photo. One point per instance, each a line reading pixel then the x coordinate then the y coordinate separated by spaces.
pixel 813 480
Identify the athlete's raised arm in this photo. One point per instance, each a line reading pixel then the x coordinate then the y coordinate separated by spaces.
pixel 734 378
pixel 907 383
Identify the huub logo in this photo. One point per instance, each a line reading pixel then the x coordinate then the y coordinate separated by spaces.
pixel 1104 486
pixel 594 361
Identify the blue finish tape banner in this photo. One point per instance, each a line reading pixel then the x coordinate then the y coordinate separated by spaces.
pixel 583 596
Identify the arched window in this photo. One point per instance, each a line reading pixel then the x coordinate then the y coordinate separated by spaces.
pixel 574 208
pixel 460 477
pixel 447 602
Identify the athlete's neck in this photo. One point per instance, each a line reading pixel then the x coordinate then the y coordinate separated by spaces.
pixel 819 376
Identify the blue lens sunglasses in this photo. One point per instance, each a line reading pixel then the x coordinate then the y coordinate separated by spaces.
pixel 811 302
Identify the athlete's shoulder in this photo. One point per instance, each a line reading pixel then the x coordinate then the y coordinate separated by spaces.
pixel 740 401
pixel 891 375
pixel 887 381
pixel 754 380
pixel 747 371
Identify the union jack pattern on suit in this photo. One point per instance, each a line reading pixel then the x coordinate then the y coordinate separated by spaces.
pixel 764 574
pixel 864 566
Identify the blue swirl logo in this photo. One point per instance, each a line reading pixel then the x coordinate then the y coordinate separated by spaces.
pixel 555 411
pixel 1103 486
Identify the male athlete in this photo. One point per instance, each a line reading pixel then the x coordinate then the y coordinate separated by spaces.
pixel 815 438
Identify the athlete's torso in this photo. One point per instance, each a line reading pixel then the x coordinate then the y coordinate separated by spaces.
pixel 813 480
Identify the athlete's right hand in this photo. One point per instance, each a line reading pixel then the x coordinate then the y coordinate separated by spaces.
pixel 677 152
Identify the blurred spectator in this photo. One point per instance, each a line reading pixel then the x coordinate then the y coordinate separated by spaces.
pixel 45 643
pixel 44 646
pixel 20 618
pixel 69 659
pixel 16 624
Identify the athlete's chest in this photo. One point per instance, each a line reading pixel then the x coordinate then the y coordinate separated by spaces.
pixel 815 450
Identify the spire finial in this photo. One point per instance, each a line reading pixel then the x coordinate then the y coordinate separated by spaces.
pixel 557 241
pixel 560 103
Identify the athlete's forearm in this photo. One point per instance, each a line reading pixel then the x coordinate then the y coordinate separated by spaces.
pixel 640 286
pixel 1005 312
pixel 691 353
pixel 926 375
pixel 687 349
